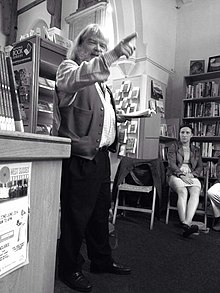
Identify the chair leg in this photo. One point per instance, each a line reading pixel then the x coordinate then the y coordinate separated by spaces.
pixel 205 212
pixel 153 208
pixel 168 207
pixel 116 207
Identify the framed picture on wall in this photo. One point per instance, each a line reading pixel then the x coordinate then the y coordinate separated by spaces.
pixel 197 67
pixel 214 63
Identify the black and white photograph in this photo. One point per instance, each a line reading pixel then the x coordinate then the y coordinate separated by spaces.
pixel 197 67
pixel 109 146
pixel 214 63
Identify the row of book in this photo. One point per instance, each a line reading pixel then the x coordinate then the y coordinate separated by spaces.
pixel 212 169
pixel 205 109
pixel 202 89
pixel 209 149
pixel 168 130
pixel 206 128
pixel 10 114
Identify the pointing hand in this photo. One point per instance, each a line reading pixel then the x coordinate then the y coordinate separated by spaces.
pixel 125 47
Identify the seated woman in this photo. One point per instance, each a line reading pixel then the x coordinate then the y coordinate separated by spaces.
pixel 184 166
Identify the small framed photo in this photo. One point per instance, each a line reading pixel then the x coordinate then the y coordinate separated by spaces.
pixel 214 63
pixel 132 127
pixel 125 86
pixel 197 67
pixel 135 93
pixel 132 108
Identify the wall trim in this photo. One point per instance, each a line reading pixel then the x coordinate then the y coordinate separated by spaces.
pixel 145 58
pixel 29 6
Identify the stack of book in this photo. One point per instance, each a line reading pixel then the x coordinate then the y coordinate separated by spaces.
pixel 10 114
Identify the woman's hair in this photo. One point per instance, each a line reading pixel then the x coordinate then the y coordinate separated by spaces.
pixel 91 29
pixel 186 125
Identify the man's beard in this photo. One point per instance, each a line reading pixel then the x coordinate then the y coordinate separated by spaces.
pixel 83 56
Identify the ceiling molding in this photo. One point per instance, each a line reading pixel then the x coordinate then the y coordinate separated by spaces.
pixel 187 1
pixel 180 3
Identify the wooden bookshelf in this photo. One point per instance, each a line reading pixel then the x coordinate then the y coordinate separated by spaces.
pixel 201 108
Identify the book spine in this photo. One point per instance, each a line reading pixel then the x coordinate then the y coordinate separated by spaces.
pixel 11 114
pixel 6 96
pixel 3 119
pixel 14 97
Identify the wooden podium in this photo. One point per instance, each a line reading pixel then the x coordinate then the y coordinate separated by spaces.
pixel 46 154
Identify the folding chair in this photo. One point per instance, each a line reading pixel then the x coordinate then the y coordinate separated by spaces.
pixel 128 188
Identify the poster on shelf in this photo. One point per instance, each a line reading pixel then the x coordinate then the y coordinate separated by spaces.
pixel 157 97
pixel 14 216
pixel 23 59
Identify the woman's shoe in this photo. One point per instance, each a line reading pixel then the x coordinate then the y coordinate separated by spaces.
pixel 216 226
pixel 188 230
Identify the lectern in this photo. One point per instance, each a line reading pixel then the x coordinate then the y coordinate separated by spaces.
pixel 46 154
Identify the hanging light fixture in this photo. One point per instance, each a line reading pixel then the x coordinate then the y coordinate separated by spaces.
pixel 126 65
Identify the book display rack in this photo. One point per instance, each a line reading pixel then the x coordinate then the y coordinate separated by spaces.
pixel 35 62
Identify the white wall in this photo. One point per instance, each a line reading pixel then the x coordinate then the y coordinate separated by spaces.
pixel 198 37
pixel 155 23
pixel 159 31
pixel 28 19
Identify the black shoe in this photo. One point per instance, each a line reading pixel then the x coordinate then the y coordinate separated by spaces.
pixel 112 269
pixel 188 230
pixel 76 281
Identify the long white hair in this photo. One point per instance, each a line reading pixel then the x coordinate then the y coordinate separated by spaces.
pixel 91 29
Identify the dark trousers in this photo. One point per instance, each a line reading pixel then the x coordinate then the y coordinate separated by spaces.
pixel 85 203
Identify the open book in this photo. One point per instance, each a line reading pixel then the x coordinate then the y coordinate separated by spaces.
pixel 139 114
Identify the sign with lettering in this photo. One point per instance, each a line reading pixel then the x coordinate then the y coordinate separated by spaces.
pixel 14 216
pixel 22 52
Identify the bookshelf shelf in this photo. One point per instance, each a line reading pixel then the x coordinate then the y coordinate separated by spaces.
pixel 201 118
pixel 202 76
pixel 166 139
pixel 201 100
pixel 206 138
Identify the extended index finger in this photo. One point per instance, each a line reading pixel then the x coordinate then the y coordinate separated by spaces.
pixel 130 37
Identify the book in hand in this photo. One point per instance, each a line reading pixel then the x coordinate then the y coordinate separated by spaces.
pixel 139 114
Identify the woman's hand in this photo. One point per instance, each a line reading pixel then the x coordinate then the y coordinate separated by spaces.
pixel 186 179
pixel 190 175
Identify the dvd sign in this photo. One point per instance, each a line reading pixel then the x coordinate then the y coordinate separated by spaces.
pixel 22 52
